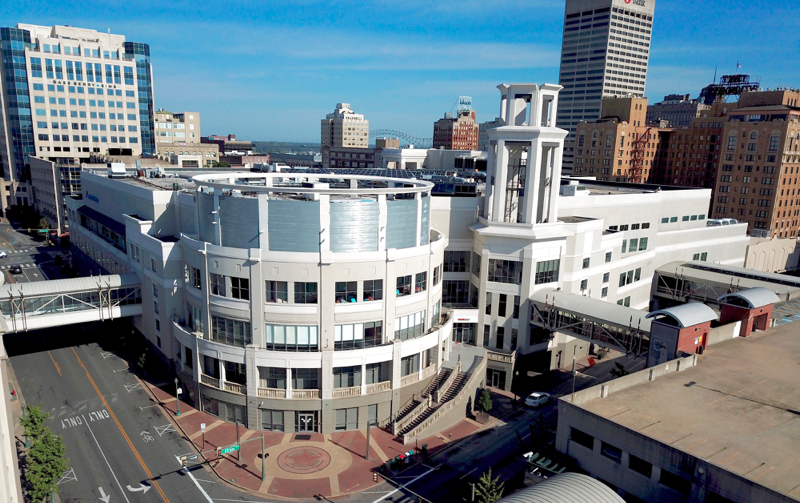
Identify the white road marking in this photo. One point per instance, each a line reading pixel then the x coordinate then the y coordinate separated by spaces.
pixel 143 488
pixel 119 370
pixel 105 354
pixel 195 481
pixel 430 470
pixel 208 481
pixel 69 476
pixel 103 496
pixel 133 387
pixel 107 462
pixel 161 430
pixel 147 407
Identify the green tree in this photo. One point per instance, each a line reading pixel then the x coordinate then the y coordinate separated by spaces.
pixel 484 403
pixel 489 489
pixel 538 430
pixel 43 224
pixel 33 422
pixel 45 464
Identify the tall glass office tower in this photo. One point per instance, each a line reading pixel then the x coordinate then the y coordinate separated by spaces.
pixel 605 52
pixel 69 93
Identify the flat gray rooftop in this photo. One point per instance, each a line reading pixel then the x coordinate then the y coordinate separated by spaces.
pixel 738 408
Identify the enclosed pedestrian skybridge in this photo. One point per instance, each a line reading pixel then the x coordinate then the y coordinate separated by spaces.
pixel 603 323
pixel 45 304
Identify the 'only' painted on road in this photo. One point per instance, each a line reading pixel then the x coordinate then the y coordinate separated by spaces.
pixel 72 422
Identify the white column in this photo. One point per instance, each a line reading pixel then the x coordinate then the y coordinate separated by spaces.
pixel 221 366
pixel 364 383
pixel 557 161
pixel 289 383
pixel 500 182
pixel 420 365
pixel 382 222
pixel 530 187
pixel 418 211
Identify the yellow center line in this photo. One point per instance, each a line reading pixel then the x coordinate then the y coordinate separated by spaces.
pixel 54 363
pixel 128 440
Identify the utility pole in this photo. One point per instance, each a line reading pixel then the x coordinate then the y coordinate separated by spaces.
pixel 367 445
pixel 573 376
pixel 239 451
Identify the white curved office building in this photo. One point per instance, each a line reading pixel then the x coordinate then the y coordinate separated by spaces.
pixel 319 301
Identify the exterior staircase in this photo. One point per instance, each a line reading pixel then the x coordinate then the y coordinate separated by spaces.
pixel 457 384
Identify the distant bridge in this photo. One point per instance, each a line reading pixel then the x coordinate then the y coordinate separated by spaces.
pixel 414 140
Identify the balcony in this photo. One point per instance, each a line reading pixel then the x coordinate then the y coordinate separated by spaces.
pixel 378 387
pixel 272 392
pixel 234 387
pixel 344 392
pixel 210 381
pixel 413 377
pixel 306 393
pixel 501 357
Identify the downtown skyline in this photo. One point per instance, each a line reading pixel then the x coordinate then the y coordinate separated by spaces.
pixel 271 72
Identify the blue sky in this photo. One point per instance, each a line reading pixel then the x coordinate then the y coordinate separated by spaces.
pixel 272 70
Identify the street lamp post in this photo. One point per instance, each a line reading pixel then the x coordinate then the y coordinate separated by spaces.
pixel 177 398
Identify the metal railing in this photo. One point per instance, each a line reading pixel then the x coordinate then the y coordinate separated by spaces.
pixel 446 407
pixel 443 389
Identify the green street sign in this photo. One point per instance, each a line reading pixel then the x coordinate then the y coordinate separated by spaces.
pixel 230 448
pixel 41 231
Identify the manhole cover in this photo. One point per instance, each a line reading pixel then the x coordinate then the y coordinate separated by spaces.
pixel 303 437
pixel 304 460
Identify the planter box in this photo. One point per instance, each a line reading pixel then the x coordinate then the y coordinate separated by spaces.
pixel 482 417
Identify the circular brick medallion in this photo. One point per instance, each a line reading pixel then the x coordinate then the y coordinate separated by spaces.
pixel 306 459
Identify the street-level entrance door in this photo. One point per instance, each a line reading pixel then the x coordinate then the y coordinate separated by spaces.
pixel 306 421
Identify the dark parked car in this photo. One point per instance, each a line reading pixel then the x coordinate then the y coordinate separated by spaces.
pixel 15 269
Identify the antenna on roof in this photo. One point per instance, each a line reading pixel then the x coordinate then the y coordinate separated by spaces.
pixel 109 30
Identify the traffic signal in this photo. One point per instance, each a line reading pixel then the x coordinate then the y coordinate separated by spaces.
pixel 219 452
pixel 375 477
pixel 184 461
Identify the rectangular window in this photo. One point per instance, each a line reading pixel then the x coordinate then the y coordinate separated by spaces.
pixel 604 293
pixel 703 256
pixel 298 338
pixel 633 245
pixel 403 286
pixel 583 285
pixel 611 452
pixel 273 420
pixel 516 308
pixel 305 378
pixel 504 271
pixel 606 277
pixel 624 246
pixel 608 257
pixel 373 373
pixel 346 419
pixel 500 338
pixel 476 264
pixel 502 305
pixel 196 274
pixel 240 288
pixel 585 263
pixel 486 337
pixel 276 291
pixel 622 279
pixel 410 326
pixel 637 274
pixel 217 283
pixel 547 271
pixel 420 282
pixel 231 332
pixel 345 291
pixel 642 245
pixel 437 275
pixel 358 335
pixel 641 466
pixel 675 482
pixel 455 292
pixel 410 364
pixel 305 293
pixel 372 290
pixel 488 303
pixel 456 261
pixel 581 438
pixel 347 377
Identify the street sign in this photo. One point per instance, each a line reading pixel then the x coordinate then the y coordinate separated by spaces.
pixel 179 391
pixel 230 448
pixel 203 426
pixel 193 458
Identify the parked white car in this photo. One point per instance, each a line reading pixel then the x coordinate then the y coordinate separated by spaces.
pixel 537 398
pixel 3 254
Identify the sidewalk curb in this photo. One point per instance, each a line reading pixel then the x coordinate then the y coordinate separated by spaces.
pixel 12 379
pixel 208 466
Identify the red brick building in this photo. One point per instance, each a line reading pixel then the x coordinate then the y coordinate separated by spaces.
pixel 460 133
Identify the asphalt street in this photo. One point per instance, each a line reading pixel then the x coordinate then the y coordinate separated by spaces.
pixel 25 252
pixel 120 445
